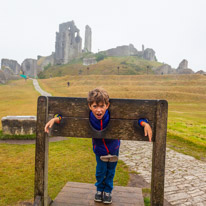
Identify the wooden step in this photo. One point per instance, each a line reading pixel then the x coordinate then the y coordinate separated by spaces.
pixel 82 194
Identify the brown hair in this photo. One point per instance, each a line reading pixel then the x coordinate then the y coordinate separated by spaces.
pixel 98 95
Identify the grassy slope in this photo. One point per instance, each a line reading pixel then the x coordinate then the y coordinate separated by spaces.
pixel 128 66
pixel 68 160
pixel 186 95
pixel 18 98
pixel 186 126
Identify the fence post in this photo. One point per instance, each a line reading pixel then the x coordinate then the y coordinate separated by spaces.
pixel 41 153
pixel 158 156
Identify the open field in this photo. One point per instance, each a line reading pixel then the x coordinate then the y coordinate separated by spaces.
pixel 186 95
pixel 18 98
pixel 70 160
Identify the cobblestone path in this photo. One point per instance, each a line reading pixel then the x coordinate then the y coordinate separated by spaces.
pixel 185 177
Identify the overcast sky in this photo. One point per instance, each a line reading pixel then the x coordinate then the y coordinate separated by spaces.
pixel 175 29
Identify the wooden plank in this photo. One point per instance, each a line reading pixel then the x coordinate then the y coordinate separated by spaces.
pixel 119 108
pixel 41 153
pixel 158 156
pixel 82 194
pixel 116 129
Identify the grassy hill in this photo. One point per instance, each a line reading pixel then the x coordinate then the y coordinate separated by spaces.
pixel 18 98
pixel 186 95
pixel 131 65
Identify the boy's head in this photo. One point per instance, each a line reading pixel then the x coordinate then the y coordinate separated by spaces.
pixel 98 101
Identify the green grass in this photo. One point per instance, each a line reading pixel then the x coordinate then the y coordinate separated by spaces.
pixel 146 194
pixel 18 98
pixel 70 160
pixel 7 136
pixel 131 65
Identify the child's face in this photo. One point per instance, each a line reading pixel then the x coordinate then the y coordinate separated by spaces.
pixel 98 109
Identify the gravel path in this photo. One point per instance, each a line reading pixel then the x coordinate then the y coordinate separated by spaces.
pixel 38 88
pixel 185 177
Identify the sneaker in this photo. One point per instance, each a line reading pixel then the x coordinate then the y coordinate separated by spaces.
pixel 98 196
pixel 107 198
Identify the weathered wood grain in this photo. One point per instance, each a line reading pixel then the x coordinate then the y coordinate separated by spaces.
pixel 116 129
pixel 74 193
pixel 119 108
pixel 41 153
pixel 158 156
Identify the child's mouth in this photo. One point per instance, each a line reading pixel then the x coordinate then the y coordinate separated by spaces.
pixel 99 115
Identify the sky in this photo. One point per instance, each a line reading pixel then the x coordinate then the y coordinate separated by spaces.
pixel 175 29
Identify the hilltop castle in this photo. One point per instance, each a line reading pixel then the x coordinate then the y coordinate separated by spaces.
pixel 68 46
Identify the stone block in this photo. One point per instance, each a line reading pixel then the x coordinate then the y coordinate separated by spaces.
pixel 19 125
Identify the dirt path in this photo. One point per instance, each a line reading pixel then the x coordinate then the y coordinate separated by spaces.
pixel 38 88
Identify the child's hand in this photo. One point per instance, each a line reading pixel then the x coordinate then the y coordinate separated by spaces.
pixel 50 124
pixel 147 130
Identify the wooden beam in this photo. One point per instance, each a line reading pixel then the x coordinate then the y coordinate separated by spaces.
pixel 41 156
pixel 119 108
pixel 158 156
pixel 116 129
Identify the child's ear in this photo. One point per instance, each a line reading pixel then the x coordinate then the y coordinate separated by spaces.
pixel 107 105
pixel 89 106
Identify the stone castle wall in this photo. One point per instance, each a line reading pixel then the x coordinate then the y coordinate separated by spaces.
pixel 130 50
pixel 88 39
pixel 68 44
pixel 12 64
pixel 29 67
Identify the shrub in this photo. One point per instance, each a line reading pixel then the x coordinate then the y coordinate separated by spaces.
pixel 100 56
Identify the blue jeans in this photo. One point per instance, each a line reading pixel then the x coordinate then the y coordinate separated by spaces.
pixel 105 172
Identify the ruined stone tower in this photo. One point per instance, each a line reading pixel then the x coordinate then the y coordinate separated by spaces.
pixel 68 43
pixel 29 67
pixel 88 39
pixel 11 64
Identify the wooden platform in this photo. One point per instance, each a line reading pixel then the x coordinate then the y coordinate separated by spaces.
pixel 82 194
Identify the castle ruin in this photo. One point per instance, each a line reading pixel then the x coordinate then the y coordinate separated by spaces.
pixel 88 39
pixel 68 44
pixel 29 67
pixel 11 64
pixel 130 50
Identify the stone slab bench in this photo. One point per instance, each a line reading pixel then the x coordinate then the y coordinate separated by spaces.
pixel 19 125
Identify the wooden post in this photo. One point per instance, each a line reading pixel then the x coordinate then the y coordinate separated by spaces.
pixel 158 157
pixel 41 158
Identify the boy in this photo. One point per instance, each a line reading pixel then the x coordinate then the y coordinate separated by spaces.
pixel 106 150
